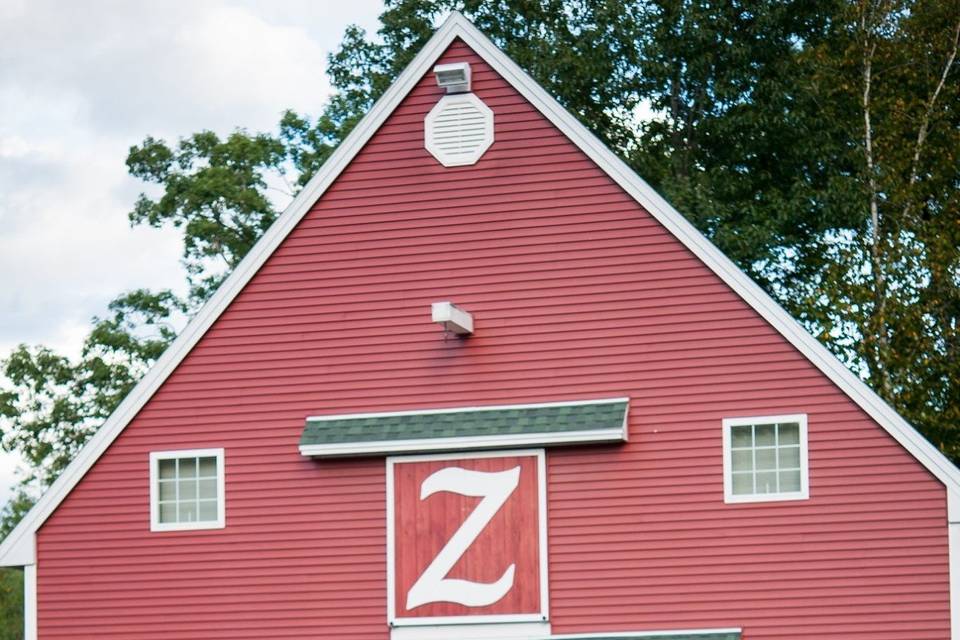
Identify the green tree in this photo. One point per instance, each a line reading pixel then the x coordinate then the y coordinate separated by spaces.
pixel 908 302
pixel 888 290
pixel 11 604
pixel 737 142
pixel 816 144
pixel 51 405
pixel 11 580
pixel 216 191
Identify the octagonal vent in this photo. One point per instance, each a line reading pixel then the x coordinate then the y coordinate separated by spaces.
pixel 459 129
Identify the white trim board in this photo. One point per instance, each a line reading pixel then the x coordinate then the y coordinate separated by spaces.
pixel 491 407
pixel 19 547
pixel 467 443
pixel 727 425
pixel 953 533
pixel 639 635
pixel 510 632
pixel 155 458
pixel 497 631
pixel 30 602
pixel 524 623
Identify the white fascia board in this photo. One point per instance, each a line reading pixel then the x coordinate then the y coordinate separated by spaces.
pixel 18 548
pixel 456 621
pixel 953 531
pixel 680 227
pixel 537 630
pixel 490 407
pixel 154 461
pixel 21 554
pixel 508 441
pixel 30 602
pixel 639 635
pixel 953 555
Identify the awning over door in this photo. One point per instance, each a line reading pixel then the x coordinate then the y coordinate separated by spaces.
pixel 457 429
pixel 691 635
pixel 714 634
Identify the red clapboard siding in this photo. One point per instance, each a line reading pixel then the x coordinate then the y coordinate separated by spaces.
pixel 577 294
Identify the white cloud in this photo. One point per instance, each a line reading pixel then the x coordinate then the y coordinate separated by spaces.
pixel 173 67
pixel 82 82
pixel 67 247
pixel 284 68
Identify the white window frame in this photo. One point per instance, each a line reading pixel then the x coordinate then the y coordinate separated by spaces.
pixel 728 496
pixel 155 458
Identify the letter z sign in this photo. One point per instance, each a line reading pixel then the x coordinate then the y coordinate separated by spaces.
pixel 466 538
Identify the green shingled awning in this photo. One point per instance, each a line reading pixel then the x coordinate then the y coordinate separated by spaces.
pixel 550 424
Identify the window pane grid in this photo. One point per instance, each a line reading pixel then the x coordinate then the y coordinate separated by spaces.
pixel 187 490
pixel 765 458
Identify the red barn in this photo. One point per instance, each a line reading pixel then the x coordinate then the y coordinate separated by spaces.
pixel 480 381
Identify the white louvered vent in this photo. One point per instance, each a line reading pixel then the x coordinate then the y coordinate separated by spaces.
pixel 458 130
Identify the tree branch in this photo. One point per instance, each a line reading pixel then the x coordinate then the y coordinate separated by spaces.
pixel 928 114
pixel 878 339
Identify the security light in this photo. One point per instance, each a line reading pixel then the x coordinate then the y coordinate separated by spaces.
pixel 453 318
pixel 455 77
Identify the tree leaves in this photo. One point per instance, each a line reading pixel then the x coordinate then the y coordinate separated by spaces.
pixel 52 404
pixel 11 603
pixel 887 77
pixel 216 191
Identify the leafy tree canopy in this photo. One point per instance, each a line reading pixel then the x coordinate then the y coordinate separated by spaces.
pixel 11 604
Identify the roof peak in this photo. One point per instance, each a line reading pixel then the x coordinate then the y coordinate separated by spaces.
pixel 19 547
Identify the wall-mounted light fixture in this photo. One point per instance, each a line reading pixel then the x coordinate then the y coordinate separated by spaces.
pixel 454 77
pixel 453 318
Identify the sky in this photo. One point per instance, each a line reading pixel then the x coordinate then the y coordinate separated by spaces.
pixel 81 82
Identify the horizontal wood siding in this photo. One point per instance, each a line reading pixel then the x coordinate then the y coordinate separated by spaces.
pixel 577 294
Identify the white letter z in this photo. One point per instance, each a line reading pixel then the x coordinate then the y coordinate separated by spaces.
pixel 433 585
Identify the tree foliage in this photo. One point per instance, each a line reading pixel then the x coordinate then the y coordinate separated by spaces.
pixel 11 579
pixel 215 190
pixel 896 279
pixel 11 604
pixel 51 404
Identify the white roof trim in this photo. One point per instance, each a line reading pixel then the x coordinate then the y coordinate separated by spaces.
pixel 19 547
pixel 464 443
pixel 491 407
pixel 639 635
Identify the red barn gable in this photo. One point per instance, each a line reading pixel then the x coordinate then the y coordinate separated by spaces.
pixel 631 441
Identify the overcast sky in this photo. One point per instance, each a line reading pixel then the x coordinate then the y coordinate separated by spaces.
pixel 80 82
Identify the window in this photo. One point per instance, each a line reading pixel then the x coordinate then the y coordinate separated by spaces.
pixel 765 459
pixel 186 490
